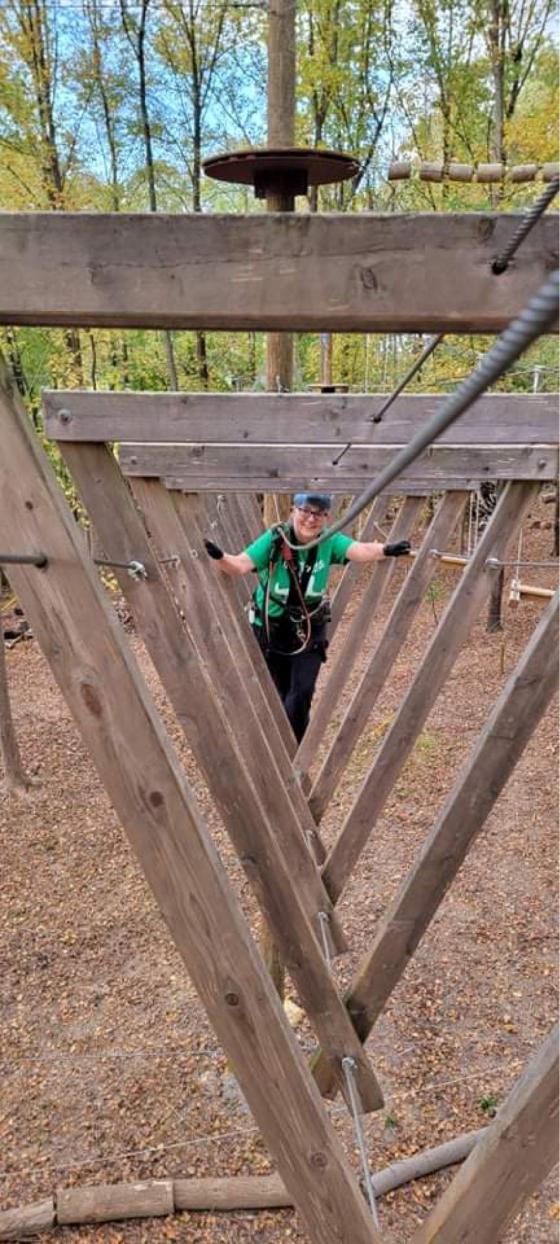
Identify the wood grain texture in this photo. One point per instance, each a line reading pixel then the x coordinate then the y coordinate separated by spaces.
pixel 500 744
pixel 98 676
pixel 264 467
pixel 437 663
pixel 292 418
pixel 385 654
pixel 507 1165
pixel 109 1202
pixel 362 273
pixel 27 1220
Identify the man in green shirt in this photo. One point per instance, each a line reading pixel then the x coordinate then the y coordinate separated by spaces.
pixel 290 610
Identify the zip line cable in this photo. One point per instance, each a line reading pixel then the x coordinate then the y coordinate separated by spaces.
pixel 537 318
pixel 526 224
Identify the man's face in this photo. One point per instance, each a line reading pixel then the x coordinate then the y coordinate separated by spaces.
pixel 308 521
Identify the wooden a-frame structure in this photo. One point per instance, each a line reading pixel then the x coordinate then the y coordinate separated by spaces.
pixel 190 464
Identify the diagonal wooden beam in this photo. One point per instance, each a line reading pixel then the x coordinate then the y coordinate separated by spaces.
pixel 271 860
pixel 381 574
pixel 500 744
pixel 430 677
pixel 507 1165
pixel 100 681
pixel 292 418
pixel 270 272
pixel 375 675
pixel 260 468
pixel 351 572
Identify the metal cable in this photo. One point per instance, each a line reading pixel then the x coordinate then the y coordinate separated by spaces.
pixel 537 318
pixel 526 224
pixel 23 559
pixel 349 1069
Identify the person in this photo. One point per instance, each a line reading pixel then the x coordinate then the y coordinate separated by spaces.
pixel 290 608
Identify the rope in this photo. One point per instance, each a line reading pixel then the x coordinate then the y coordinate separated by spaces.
pixel 526 224
pixel 537 318
pixel 349 1069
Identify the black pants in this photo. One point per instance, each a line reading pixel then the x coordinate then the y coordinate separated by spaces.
pixel 295 676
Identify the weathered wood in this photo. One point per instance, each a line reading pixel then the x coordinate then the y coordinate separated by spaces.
pixel 375 675
pixel 10 755
pixel 292 418
pixel 221 591
pixel 347 582
pixel 270 848
pixel 111 1202
pixel 213 467
pixel 500 744
pixel 510 1162
pixel 359 272
pixel 401 170
pixel 453 629
pixel 26 1220
pixel 98 676
pixel 380 577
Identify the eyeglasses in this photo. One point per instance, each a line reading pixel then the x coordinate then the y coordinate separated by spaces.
pixel 316 515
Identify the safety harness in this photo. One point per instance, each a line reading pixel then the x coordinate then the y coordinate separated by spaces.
pixel 295 608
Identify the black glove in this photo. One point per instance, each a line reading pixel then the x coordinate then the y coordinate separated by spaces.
pixel 213 550
pixel 397 550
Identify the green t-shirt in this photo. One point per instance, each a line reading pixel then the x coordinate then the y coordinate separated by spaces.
pixel 331 552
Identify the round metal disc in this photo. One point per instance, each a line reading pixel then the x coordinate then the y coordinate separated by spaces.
pixel 279 163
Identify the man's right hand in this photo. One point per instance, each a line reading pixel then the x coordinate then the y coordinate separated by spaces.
pixel 213 550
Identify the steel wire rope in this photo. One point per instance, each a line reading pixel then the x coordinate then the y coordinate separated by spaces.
pixel 535 319
pixel 525 225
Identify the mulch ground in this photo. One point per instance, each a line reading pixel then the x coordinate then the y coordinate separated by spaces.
pixel 110 1070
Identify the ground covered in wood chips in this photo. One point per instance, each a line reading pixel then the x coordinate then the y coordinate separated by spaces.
pixel 110 1070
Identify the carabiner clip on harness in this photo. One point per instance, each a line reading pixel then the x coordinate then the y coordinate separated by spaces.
pixel 281 548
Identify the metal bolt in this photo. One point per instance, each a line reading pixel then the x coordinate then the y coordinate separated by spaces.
pixel 232 999
pixel 64 416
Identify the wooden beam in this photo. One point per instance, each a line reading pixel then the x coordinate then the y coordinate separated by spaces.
pixel 346 273
pixel 500 744
pixel 211 468
pixel 381 575
pixel 507 1165
pixel 98 676
pixel 351 573
pixel 385 654
pixel 292 418
pixel 437 663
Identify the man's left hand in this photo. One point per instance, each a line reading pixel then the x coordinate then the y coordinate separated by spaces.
pixel 400 549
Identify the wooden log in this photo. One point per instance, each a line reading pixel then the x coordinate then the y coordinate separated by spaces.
pixel 431 171
pixel 437 663
pixel 523 172
pixel 98 676
pixel 111 1202
pixel 535 593
pixel 301 273
pixel 26 1220
pixel 375 675
pixel 511 1161
pixel 500 744
pixel 459 172
pixel 293 418
pixel 210 468
pixel 550 171
pixel 399 170
pixel 381 575
pixel 488 173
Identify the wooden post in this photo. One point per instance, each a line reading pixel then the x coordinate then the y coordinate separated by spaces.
pixel 100 680
pixel 508 1164
pixel 14 772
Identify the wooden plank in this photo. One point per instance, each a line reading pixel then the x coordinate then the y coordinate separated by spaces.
pixel 292 418
pixel 376 673
pixel 228 604
pixel 151 1198
pixel 351 573
pixel 438 661
pixel 380 577
pixel 508 1164
pixel 260 467
pixel 271 858
pixel 99 678
pixel 26 1220
pixel 500 744
pixel 345 273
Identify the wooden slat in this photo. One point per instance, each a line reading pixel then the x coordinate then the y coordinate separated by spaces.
pixel 228 605
pixel 351 573
pixel 381 574
pixel 261 467
pixel 453 629
pixel 500 744
pixel 292 418
pixel 272 859
pixel 508 1164
pixel 98 676
pixel 362 273
pixel 375 675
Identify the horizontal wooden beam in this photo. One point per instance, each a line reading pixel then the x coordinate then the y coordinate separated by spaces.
pixel 255 468
pixel 292 418
pixel 344 273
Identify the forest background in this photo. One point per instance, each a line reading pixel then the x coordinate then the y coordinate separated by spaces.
pixel 111 106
